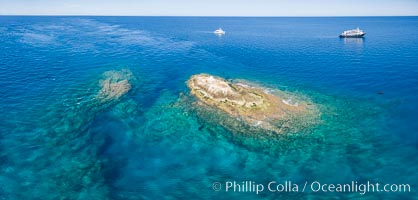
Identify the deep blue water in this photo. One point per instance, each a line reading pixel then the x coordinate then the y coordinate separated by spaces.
pixel 57 143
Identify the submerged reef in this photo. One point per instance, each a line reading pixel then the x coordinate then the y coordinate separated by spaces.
pixel 111 87
pixel 82 172
pixel 246 108
pixel 62 154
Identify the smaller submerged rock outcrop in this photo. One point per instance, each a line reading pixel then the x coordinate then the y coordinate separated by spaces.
pixel 248 107
pixel 114 84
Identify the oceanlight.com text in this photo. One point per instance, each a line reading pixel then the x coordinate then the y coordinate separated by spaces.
pixel 313 186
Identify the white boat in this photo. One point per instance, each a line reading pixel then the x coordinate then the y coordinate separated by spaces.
pixel 219 31
pixel 356 33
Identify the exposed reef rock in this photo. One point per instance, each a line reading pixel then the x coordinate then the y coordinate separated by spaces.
pixel 249 107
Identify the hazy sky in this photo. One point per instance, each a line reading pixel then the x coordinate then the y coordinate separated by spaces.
pixel 211 7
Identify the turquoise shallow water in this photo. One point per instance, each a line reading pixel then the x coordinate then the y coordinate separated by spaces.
pixel 58 142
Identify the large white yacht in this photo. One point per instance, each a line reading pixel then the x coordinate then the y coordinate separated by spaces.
pixel 356 33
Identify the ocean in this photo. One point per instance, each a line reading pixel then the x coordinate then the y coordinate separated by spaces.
pixel 57 141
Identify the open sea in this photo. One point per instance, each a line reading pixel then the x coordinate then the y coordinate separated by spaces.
pixel 58 142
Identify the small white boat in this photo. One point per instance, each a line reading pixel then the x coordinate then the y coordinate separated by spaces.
pixel 356 33
pixel 219 31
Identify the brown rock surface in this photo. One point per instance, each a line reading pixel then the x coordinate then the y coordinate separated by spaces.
pixel 255 106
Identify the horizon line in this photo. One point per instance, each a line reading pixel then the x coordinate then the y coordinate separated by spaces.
pixel 255 16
